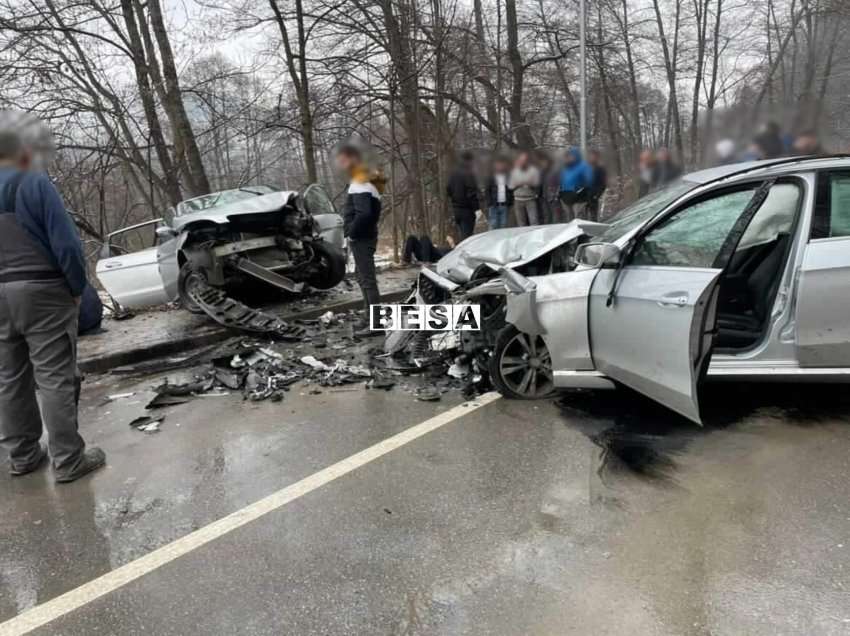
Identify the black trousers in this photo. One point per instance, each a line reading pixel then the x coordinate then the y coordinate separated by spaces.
pixel 465 221
pixel 364 269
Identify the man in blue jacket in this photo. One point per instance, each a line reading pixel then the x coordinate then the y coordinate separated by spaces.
pixel 42 275
pixel 576 179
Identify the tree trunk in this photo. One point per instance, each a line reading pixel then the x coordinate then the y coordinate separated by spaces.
pixel 156 137
pixel 182 127
pixel 520 128
pixel 301 82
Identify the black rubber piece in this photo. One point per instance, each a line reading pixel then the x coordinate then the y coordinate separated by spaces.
pixel 231 313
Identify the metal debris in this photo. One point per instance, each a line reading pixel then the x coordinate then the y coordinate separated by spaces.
pixel 231 313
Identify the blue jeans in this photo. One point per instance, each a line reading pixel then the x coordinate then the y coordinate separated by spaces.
pixel 497 216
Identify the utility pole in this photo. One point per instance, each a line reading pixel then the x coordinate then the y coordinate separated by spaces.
pixel 583 102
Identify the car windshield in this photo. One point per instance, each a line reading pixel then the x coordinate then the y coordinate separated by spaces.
pixel 216 199
pixel 644 209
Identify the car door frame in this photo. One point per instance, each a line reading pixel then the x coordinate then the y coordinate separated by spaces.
pixel 704 305
pixel 822 347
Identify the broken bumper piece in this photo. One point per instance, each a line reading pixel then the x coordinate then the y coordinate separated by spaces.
pixel 231 313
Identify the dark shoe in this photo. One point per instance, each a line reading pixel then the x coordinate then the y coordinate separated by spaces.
pixel 93 458
pixel 34 465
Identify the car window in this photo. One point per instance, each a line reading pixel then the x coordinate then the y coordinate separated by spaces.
pixel 832 207
pixel 317 201
pixel 693 236
pixel 216 199
pixel 643 209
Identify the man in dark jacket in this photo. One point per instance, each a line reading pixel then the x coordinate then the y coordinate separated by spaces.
pixel 769 141
pixel 360 215
pixel 42 275
pixel 462 190
pixel 666 169
pixel 599 183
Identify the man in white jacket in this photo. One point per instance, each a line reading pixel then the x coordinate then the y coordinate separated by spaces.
pixel 525 183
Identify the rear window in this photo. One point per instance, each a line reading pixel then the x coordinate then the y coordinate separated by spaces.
pixel 832 206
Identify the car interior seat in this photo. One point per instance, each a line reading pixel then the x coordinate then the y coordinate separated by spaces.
pixel 744 312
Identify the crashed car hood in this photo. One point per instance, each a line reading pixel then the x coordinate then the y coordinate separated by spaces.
pixel 510 247
pixel 221 214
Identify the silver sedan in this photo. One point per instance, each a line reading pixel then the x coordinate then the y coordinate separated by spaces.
pixel 740 272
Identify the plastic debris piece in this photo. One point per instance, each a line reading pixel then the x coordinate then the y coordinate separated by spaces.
pixel 428 395
pixel 147 423
pixel 380 383
pixel 312 362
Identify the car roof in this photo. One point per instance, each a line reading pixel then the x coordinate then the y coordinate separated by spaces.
pixel 767 168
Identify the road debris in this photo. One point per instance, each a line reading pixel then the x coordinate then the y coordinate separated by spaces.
pixel 263 369
pixel 231 313
pixel 147 423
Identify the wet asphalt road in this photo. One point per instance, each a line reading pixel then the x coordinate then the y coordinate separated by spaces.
pixel 603 514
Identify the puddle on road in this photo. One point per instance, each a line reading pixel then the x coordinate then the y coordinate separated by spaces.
pixel 639 439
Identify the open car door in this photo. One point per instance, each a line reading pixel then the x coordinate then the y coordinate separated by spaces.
pixel 132 276
pixel 652 318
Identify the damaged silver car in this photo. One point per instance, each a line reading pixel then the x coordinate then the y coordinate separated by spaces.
pixel 739 272
pixel 225 239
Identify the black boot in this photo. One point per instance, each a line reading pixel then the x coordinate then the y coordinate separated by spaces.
pixel 39 461
pixel 92 459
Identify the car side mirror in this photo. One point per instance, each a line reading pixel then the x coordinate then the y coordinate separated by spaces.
pixel 105 250
pixel 165 233
pixel 596 255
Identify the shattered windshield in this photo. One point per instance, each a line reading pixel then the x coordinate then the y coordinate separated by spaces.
pixel 643 209
pixel 216 199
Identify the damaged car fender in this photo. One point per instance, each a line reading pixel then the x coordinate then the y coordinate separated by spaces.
pixel 543 305
pixel 521 302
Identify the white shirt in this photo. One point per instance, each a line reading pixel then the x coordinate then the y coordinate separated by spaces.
pixel 501 188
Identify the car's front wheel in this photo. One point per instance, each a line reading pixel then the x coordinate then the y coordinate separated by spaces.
pixel 521 365
pixel 190 278
pixel 329 264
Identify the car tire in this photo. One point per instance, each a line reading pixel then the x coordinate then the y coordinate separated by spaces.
pixel 331 261
pixel 521 365
pixel 188 277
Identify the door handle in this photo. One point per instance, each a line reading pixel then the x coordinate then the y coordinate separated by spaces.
pixel 675 299
pixel 113 265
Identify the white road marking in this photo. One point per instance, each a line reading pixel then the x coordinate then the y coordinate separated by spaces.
pixel 42 614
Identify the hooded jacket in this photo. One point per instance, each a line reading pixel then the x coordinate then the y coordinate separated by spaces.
pixel 362 209
pixel 577 176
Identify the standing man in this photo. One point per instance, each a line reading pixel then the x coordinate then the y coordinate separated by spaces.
pixel 42 275
pixel 462 190
pixel 499 195
pixel 549 209
pixel 666 170
pixel 598 186
pixel 525 183
pixel 646 172
pixel 576 178
pixel 360 214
